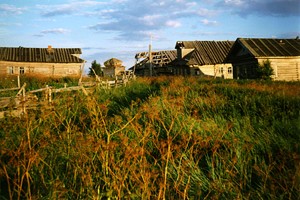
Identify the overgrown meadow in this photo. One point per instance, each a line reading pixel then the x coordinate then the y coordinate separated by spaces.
pixel 158 138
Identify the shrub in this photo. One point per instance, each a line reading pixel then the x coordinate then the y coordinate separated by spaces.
pixel 265 70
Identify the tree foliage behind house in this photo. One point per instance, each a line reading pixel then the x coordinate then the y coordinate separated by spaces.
pixel 95 68
pixel 265 70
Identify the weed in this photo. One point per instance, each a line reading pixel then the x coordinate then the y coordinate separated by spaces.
pixel 157 138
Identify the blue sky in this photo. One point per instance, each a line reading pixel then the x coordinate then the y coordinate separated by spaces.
pixel 121 28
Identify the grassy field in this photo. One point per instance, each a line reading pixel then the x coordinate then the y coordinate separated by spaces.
pixel 158 138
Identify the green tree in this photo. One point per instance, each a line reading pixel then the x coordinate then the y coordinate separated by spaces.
pixel 95 67
pixel 265 70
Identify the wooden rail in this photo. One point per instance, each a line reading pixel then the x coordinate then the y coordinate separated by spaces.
pixel 18 105
pixel 9 89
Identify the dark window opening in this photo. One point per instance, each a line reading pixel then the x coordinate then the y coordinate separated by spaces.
pixel 22 70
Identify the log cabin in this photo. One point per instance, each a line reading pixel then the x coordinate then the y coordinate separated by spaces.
pixel 283 55
pixel 56 62
pixel 203 58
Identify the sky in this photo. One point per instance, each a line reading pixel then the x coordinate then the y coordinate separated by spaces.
pixel 106 29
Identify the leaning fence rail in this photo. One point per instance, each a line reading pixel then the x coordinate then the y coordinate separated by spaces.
pixel 18 104
pixel 9 89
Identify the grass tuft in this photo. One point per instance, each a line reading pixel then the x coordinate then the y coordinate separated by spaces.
pixel 157 138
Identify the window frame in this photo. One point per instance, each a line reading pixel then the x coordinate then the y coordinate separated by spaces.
pixel 22 70
pixel 11 70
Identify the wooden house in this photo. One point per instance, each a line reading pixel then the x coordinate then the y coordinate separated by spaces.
pixel 206 58
pixel 161 63
pixel 41 61
pixel 283 55
pixel 113 67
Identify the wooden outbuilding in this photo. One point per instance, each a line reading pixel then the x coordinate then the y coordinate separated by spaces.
pixel 41 61
pixel 113 67
pixel 160 64
pixel 206 58
pixel 283 55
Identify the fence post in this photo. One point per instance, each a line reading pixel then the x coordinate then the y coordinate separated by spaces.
pixel 46 92
pixel 24 92
pixel 23 100
pixel 50 95
pixel 19 84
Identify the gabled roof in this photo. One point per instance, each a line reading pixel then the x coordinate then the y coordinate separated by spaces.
pixel 40 55
pixel 264 47
pixel 159 58
pixel 206 52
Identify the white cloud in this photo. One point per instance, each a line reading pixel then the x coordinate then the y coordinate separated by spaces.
pixel 150 19
pixel 132 18
pixel 45 20
pixel 119 1
pixel 208 22
pixel 172 23
pixel 55 31
pixel 67 9
pixel 191 4
pixel 278 8
pixel 9 24
pixel 7 9
pixel 234 2
pixel 52 31
pixel 203 12
pixel 98 13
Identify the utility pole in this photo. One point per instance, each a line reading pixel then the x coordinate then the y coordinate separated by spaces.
pixel 150 56
pixel 150 59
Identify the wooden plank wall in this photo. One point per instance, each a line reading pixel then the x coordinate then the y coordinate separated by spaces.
pixel 46 69
pixel 285 69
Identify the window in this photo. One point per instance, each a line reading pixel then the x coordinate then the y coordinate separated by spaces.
pixel 11 70
pixel 22 70
pixel 229 70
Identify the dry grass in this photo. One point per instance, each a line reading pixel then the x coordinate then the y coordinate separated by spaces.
pixel 159 138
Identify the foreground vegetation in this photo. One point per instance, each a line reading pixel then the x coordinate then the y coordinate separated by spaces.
pixel 158 138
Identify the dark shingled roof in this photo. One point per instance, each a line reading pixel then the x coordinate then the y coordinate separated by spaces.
pixel 40 55
pixel 206 52
pixel 271 47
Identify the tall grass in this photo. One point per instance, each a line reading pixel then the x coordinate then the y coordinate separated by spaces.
pixel 33 83
pixel 158 138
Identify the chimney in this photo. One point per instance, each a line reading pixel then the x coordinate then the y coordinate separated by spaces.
pixel 50 50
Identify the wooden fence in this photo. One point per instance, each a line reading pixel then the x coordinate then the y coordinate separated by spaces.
pixel 18 105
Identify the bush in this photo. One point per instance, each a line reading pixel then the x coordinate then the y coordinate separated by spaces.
pixel 265 70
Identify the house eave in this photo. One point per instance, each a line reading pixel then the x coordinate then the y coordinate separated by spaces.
pixel 277 57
